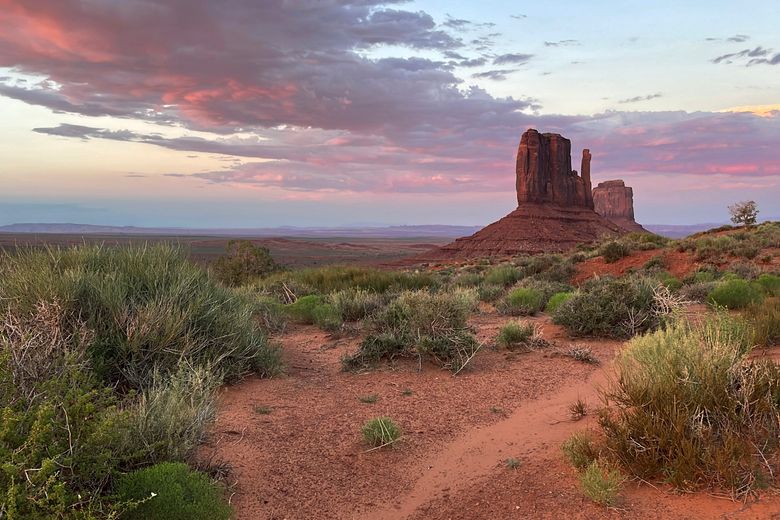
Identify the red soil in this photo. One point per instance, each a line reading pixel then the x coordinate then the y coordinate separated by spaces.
pixel 305 458
pixel 679 264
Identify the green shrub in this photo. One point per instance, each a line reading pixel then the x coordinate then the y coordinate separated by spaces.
pixel 490 292
pixel 614 251
pixel 357 304
pixel 736 294
pixel 610 307
pixel 765 319
pixel 770 283
pixel 688 406
pixel 658 262
pixel 580 450
pixel 556 300
pixel 148 307
pixel 170 418
pixel 62 435
pixel 302 310
pixel 329 279
pixel 744 270
pixel 243 263
pixel 468 280
pixel 697 292
pixel 516 334
pixel 504 275
pixel 419 323
pixel 381 431
pixel 522 301
pixel 327 317
pixel 601 482
pixel 172 491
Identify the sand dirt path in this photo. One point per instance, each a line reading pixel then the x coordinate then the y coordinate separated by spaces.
pixel 294 445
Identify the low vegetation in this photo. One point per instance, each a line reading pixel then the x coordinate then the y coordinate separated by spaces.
pixel 380 432
pixel 172 491
pixel 525 335
pixel 610 307
pixel 109 359
pixel 690 407
pixel 602 482
pixel 421 324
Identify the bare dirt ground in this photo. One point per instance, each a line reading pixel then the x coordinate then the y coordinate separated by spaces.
pixel 296 453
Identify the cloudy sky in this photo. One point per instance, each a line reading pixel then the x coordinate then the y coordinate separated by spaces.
pixel 249 113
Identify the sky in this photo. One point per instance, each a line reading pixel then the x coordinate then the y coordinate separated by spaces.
pixel 246 113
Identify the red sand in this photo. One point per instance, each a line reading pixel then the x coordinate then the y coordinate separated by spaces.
pixel 305 459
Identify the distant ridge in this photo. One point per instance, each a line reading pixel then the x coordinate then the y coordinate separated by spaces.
pixel 283 231
pixel 433 230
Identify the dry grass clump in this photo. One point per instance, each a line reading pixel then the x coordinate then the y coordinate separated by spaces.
pixel 581 354
pixel 689 407
pixel 422 324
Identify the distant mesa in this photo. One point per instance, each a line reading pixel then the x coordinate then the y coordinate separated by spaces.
pixel 615 201
pixel 555 207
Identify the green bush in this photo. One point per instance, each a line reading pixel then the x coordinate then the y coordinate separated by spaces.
pixel 610 307
pixel 697 292
pixel 522 301
pixel 329 279
pixel 601 482
pixel 170 418
pixel 614 251
pixel 765 319
pixel 172 491
pixel 658 262
pixel 556 300
pixel 381 431
pixel 504 275
pixel 302 310
pixel 148 307
pixel 490 292
pixel 419 323
pixel 580 450
pixel 62 435
pixel 690 407
pixel 243 263
pixel 736 294
pixel 327 317
pixel 357 304
pixel 515 334
pixel 770 283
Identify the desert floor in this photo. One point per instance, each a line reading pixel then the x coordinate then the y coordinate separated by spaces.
pixel 294 444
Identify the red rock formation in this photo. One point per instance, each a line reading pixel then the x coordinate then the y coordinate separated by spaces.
pixel 544 173
pixel 615 201
pixel 555 207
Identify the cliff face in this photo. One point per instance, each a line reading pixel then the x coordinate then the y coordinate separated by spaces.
pixel 554 212
pixel 615 201
pixel 544 175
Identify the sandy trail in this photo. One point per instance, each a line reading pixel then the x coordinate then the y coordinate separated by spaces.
pixel 534 429
pixel 294 444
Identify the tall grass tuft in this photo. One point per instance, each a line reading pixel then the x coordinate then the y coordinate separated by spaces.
pixel 170 418
pixel 689 407
pixel 147 306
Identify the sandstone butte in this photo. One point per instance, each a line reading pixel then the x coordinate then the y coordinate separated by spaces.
pixel 555 207
pixel 614 201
